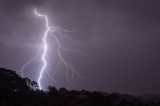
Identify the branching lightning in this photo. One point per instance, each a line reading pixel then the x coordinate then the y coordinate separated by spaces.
pixel 49 32
pixel 29 62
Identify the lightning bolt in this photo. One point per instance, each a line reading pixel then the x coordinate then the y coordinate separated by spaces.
pixel 49 32
pixel 45 47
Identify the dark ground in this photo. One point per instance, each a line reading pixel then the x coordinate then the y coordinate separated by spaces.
pixel 17 91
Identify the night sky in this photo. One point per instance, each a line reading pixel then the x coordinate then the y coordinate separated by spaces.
pixel 120 37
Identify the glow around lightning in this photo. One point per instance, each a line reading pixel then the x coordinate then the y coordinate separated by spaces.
pixel 49 32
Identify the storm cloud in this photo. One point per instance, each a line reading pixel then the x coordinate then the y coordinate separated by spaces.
pixel 120 38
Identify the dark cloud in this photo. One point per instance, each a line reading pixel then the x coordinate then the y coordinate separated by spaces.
pixel 120 37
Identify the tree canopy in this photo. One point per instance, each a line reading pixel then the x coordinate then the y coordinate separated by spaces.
pixel 17 91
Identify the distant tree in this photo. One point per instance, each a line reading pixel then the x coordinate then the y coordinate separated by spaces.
pixel 31 83
pixel 52 91
pixel 63 90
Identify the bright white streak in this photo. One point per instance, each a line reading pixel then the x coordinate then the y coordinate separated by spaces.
pixel 45 48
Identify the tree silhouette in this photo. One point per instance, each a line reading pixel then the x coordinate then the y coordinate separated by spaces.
pixel 17 91
pixel 11 82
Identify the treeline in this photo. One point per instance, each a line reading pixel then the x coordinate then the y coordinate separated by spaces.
pixel 17 91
